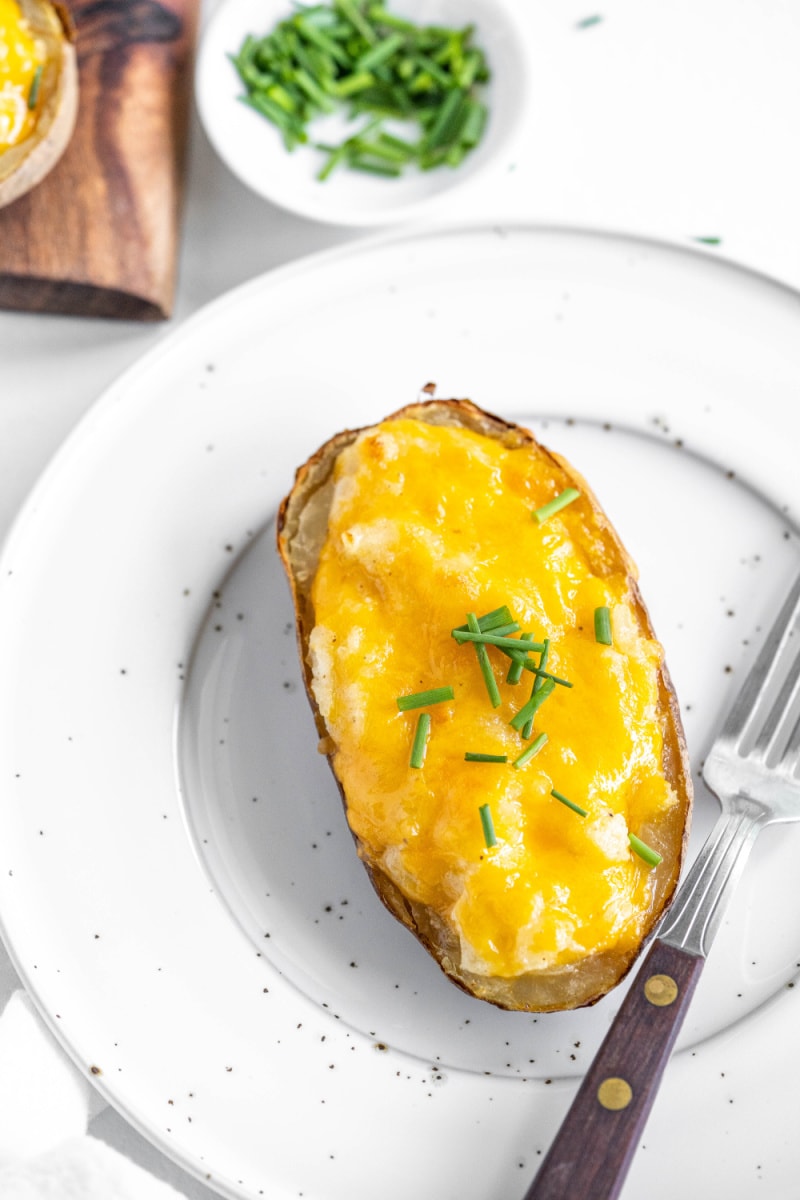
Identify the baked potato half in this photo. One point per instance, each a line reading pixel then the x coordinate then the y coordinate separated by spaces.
pixel 38 92
pixel 491 698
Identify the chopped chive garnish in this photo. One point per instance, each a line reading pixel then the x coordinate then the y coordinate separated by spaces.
pixel 33 94
pixel 309 85
pixel 420 744
pixel 357 57
pixel 352 12
pixel 423 699
pixel 505 630
pixel 378 150
pixel 485 758
pixel 538 683
pixel 488 826
pixel 517 665
pixel 491 620
pixel 532 750
pixel 542 664
pixel 380 52
pixel 492 639
pixel 335 157
pixel 602 625
pixel 351 84
pixel 483 660
pixel 313 34
pixel 378 13
pixel 528 711
pixel 569 803
pixel 292 134
pixel 540 674
pixel 474 124
pixel 645 852
pixel 495 618
pixel 447 121
pixel 556 504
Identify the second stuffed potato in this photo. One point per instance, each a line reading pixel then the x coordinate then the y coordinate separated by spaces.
pixel 38 92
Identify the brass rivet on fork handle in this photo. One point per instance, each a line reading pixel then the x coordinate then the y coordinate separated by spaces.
pixel 615 1093
pixel 661 990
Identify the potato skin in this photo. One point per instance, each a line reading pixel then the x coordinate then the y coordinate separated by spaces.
pixel 25 165
pixel 301 527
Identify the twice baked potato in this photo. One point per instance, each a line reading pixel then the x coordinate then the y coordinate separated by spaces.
pixel 38 92
pixel 492 700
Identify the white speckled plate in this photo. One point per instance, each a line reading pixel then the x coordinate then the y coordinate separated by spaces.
pixel 177 885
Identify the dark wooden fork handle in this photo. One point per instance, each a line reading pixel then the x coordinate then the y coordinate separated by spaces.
pixel 592 1151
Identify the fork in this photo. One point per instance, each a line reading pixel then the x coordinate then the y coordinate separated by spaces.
pixel 752 769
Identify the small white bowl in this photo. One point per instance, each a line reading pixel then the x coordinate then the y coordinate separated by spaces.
pixel 253 149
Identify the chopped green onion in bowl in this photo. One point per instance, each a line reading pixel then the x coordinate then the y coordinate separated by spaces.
pixel 382 128
pixel 413 92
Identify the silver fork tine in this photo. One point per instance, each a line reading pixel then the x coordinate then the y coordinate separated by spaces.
pixel 782 712
pixel 743 717
pixel 790 759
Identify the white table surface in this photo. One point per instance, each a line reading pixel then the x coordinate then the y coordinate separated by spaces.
pixel 675 121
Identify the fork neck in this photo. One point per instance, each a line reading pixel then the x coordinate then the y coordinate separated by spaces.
pixel 696 914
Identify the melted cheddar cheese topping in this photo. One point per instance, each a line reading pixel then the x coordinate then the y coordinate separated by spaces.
pixel 427 524
pixel 21 54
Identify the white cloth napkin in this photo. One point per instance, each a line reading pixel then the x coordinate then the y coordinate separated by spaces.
pixel 45 1108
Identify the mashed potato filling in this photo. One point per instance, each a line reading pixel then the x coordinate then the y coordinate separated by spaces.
pixel 429 523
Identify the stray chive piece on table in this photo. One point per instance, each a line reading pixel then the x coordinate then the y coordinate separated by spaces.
pixel 416 88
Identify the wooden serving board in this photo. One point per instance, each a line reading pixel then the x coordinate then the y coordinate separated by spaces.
pixel 99 235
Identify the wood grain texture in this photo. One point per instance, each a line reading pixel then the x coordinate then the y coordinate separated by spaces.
pixel 99 236
pixel 593 1148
